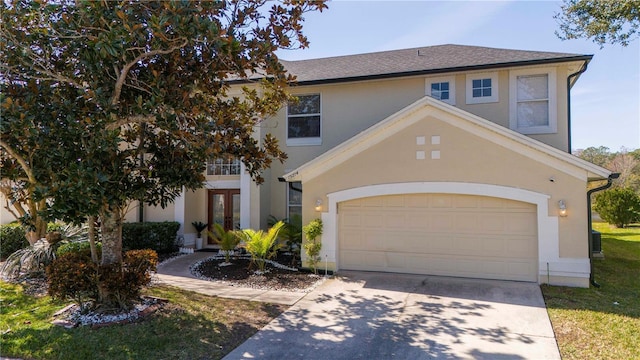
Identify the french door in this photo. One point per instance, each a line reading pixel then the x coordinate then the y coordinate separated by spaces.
pixel 224 209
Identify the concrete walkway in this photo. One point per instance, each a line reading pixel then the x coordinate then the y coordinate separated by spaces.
pixel 176 272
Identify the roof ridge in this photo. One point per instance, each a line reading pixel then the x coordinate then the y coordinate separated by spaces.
pixel 372 53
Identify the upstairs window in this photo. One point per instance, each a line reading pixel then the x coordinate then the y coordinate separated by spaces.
pixel 304 121
pixel 532 108
pixel 224 165
pixel 482 88
pixel 441 88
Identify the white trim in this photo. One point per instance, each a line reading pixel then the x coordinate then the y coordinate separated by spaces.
pixel 552 128
pixel 484 99
pixel 245 197
pixel 547 226
pixel 441 79
pixel 310 141
pixel 178 210
pixel 223 184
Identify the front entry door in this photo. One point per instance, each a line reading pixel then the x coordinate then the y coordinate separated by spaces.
pixel 224 209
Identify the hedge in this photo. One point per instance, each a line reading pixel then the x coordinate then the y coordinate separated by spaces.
pixel 158 236
pixel 12 239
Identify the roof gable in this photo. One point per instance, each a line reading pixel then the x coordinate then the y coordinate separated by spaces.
pixel 452 115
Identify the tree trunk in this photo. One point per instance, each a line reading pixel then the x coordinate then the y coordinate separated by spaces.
pixel 40 231
pixel 92 239
pixel 111 235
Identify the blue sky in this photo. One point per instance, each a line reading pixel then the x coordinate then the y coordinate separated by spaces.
pixel 605 100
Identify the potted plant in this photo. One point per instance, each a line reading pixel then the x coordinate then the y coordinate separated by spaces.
pixel 200 226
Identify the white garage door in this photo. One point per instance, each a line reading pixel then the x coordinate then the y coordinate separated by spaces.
pixel 440 234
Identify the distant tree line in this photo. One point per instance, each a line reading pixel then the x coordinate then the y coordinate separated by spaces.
pixel 620 205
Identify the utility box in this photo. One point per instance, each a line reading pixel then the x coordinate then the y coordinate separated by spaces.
pixel 596 242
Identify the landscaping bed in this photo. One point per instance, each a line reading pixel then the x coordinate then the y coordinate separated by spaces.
pixel 242 272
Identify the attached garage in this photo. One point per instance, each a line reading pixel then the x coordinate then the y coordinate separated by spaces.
pixel 435 190
pixel 440 234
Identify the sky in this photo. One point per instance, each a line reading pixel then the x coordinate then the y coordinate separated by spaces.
pixel 605 102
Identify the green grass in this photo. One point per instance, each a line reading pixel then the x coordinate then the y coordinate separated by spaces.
pixel 191 326
pixel 602 323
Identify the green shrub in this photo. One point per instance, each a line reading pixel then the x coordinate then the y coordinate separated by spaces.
pixel 82 247
pixel 12 239
pixel 228 240
pixel 120 285
pixel 159 236
pixel 618 206
pixel 291 233
pixel 312 247
pixel 73 276
pixel 262 246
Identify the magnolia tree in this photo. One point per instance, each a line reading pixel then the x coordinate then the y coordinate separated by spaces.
pixel 105 102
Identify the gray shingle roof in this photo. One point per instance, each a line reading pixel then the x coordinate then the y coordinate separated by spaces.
pixel 416 61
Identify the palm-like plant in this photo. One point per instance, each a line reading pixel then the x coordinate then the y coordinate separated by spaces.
pixel 228 240
pixel 261 245
pixel 35 258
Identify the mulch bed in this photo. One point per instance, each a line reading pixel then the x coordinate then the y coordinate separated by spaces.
pixel 242 273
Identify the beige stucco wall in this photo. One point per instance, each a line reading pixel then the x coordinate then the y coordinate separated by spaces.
pixel 5 216
pixel 464 158
pixel 349 108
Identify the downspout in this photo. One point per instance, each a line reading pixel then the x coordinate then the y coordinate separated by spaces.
pixel 569 78
pixel 590 225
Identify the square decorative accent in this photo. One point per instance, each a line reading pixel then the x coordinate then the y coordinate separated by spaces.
pixel 420 140
pixel 435 140
pixel 435 154
pixel 420 155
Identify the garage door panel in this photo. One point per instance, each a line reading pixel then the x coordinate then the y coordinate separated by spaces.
pixel 440 234
pixel 351 220
pixel 373 220
pixel 375 202
pixel 520 224
pixel 418 201
pixel 394 221
pixel 441 201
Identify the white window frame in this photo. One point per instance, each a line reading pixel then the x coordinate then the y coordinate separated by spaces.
pixel 484 99
pixel 228 163
pixel 442 79
pixel 552 127
pixel 307 141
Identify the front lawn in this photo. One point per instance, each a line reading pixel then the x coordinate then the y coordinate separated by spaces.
pixel 191 326
pixel 602 323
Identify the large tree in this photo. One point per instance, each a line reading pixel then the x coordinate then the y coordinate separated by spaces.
pixel 105 102
pixel 603 21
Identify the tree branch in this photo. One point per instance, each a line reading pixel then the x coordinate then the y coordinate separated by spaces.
pixel 20 160
pixel 125 70
pixel 133 119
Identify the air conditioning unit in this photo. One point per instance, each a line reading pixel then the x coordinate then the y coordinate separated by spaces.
pixel 596 243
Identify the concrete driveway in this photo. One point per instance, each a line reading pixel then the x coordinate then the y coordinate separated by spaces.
pixel 367 315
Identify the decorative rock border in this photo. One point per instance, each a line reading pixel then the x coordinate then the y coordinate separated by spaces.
pixel 71 318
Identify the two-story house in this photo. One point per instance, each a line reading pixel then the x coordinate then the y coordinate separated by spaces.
pixel 445 160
